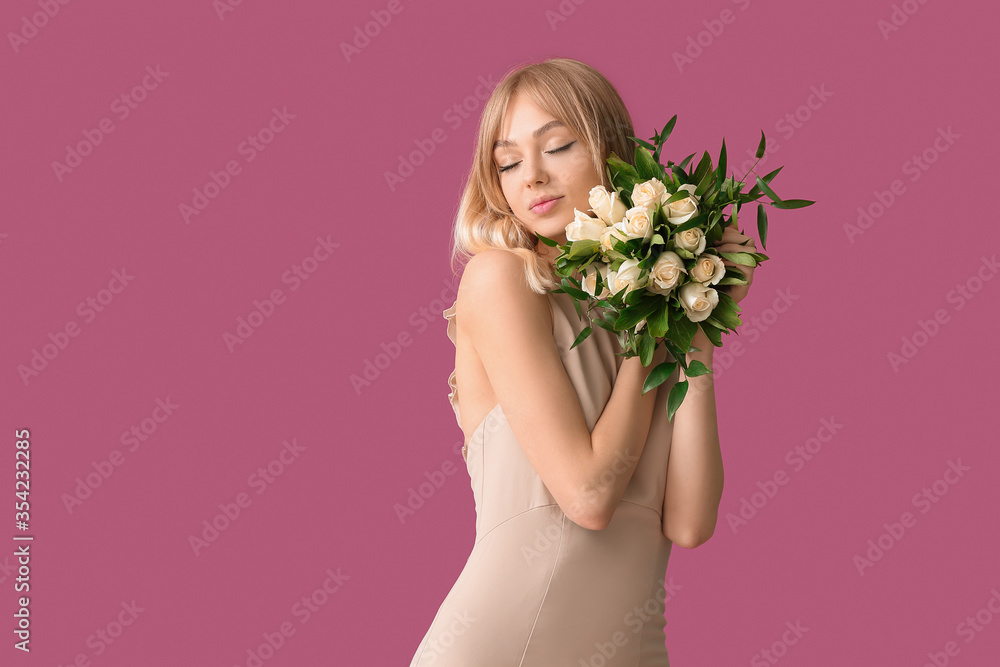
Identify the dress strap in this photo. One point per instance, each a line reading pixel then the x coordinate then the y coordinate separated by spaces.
pixel 449 314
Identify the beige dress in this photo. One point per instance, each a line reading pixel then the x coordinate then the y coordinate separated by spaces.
pixel 537 589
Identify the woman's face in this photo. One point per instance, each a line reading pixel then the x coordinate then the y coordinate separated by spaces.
pixel 553 164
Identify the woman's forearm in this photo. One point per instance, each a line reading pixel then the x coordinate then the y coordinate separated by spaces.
pixel 618 439
pixel 694 467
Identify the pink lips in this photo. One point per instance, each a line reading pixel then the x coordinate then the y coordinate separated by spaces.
pixel 545 207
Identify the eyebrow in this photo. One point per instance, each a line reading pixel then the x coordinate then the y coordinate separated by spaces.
pixel 504 143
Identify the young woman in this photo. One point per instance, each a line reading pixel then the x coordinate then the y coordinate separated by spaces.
pixel 581 483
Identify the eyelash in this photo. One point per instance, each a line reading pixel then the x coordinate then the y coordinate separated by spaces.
pixel 557 150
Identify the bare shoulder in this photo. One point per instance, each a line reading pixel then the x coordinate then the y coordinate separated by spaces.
pixel 494 285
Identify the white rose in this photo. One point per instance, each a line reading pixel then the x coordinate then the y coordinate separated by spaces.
pixel 610 235
pixel 691 239
pixel 708 269
pixel 584 227
pixel 683 209
pixel 638 224
pixel 628 277
pixel 665 273
pixel 649 194
pixel 590 280
pixel 607 206
pixel 698 300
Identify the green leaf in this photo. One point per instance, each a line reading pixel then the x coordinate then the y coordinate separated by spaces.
pixel 606 325
pixel 767 190
pixel 646 166
pixel 622 166
pixel 547 241
pixel 721 170
pixel 667 129
pixel 696 368
pixel 582 336
pixel 742 258
pixel 645 144
pixel 658 323
pixel 715 324
pixel 646 346
pixel 712 332
pixel 573 291
pixel 583 248
pixel 704 165
pixel 760 146
pixel 682 331
pixel 635 314
pixel 762 225
pixel 725 314
pixel 733 277
pixel 705 183
pixel 659 375
pixel 675 398
pixel 793 203
pixel 677 196
pixel 681 252
pixel 695 221
pixel 730 301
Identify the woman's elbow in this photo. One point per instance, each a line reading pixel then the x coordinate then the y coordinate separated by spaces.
pixel 690 538
pixel 587 511
pixel 591 518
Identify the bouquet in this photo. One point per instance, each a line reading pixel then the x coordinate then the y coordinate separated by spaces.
pixel 645 259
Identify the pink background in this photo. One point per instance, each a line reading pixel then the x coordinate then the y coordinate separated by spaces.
pixel 375 301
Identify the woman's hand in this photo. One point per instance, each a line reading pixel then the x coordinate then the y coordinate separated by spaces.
pixel 734 241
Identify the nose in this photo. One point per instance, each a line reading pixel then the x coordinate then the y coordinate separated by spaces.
pixel 534 171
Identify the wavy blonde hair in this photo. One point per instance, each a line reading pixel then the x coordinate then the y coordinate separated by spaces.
pixel 570 91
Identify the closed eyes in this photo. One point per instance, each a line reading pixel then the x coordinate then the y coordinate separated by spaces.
pixel 555 150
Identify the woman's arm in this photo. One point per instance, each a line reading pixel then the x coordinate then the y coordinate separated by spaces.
pixel 510 327
pixel 694 466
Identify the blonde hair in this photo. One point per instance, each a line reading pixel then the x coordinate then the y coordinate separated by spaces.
pixel 570 91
